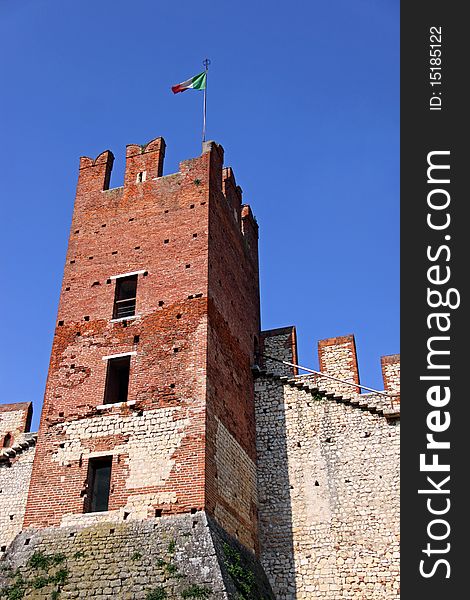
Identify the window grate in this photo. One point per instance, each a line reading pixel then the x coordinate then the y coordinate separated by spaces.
pixel 125 297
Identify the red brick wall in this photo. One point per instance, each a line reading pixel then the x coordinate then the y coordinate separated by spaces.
pixel 180 230
pixel 233 325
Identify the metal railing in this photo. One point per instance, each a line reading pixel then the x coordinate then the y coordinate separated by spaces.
pixel 389 395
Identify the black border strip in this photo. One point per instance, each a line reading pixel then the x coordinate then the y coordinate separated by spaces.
pixel 430 127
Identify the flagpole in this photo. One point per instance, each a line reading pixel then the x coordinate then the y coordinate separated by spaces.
pixel 206 62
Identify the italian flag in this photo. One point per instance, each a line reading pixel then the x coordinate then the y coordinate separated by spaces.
pixel 195 83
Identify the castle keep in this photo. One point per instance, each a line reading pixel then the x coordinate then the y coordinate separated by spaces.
pixel 178 454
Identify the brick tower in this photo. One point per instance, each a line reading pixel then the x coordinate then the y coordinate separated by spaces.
pixel 149 407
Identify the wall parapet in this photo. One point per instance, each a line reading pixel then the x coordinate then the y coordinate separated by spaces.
pixel 339 372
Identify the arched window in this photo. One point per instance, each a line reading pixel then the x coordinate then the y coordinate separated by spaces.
pixel 7 440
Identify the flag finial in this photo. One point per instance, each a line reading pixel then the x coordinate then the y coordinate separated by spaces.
pixel 206 62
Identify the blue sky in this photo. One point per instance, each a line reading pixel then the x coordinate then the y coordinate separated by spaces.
pixel 304 97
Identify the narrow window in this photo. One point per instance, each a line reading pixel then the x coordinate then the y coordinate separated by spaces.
pixel 99 480
pixel 124 299
pixel 117 380
pixel 141 177
pixel 7 440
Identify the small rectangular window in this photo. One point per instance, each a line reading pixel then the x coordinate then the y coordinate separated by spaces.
pixel 117 380
pixel 99 484
pixel 125 297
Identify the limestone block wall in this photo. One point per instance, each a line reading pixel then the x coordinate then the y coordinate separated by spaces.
pixel 182 556
pixel 280 344
pixel 391 372
pixel 15 419
pixel 15 475
pixel 337 357
pixel 145 446
pixel 192 248
pixel 328 485
pixel 236 487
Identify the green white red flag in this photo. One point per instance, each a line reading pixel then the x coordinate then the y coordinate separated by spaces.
pixel 198 82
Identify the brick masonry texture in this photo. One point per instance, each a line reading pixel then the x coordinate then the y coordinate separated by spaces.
pixel 391 372
pixel 194 247
pixel 328 484
pixel 15 475
pixel 278 345
pixel 232 475
pixel 171 555
pixel 15 419
pixel 337 357
pixel 16 463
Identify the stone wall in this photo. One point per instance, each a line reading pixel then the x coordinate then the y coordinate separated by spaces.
pixel 15 475
pixel 233 326
pixel 192 248
pixel 279 345
pixel 15 419
pixel 328 480
pixel 183 556
pixel 391 372
pixel 337 357
pixel 17 450
pixel 236 487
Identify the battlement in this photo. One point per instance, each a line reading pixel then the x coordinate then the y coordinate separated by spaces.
pixel 142 162
pixel 167 410
pixel 144 175
pixel 15 419
pixel 327 455
pixel 150 367
pixel 391 372
pixel 337 358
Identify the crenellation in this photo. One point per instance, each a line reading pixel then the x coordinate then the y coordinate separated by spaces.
pixel 391 372
pixel 279 345
pixel 144 163
pixel 175 446
pixel 330 478
pixel 337 357
pixel 15 419
pixel 15 475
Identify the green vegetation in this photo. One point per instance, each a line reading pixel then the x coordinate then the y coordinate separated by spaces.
pixel 136 556
pixel 60 577
pixel 42 561
pixel 38 562
pixel 168 567
pixel 40 582
pixel 158 593
pixel 171 569
pixel 17 590
pixel 196 591
pixel 244 579
pixel 13 592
